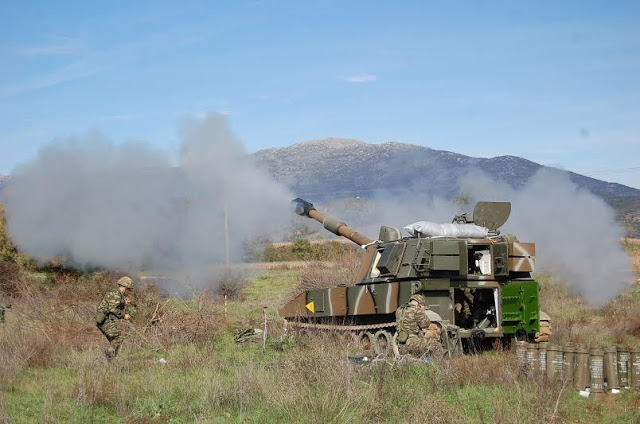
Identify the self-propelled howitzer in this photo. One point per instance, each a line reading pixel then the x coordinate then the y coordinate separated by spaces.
pixel 477 285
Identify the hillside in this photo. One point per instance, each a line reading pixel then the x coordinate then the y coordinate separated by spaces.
pixel 337 168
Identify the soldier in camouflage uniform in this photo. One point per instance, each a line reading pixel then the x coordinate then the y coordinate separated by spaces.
pixel 412 324
pixel 464 303
pixel 111 310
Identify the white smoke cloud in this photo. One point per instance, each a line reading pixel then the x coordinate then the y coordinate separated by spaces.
pixel 575 232
pixel 125 206
pixel 576 235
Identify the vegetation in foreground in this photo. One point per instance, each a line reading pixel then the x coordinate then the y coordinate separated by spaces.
pixel 53 370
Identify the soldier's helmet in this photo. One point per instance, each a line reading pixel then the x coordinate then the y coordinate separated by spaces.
pixel 126 282
pixel 418 298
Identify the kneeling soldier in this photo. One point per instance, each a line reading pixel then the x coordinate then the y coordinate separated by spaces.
pixel 412 324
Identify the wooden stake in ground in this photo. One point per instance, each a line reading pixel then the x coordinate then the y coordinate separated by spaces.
pixel 264 333
pixel 226 241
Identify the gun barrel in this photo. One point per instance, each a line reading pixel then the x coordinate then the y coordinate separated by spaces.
pixel 336 226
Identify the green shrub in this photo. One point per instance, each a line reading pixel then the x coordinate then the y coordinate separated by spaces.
pixel 303 250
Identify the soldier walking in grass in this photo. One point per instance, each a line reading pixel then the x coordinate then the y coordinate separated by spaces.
pixel 110 311
pixel 412 325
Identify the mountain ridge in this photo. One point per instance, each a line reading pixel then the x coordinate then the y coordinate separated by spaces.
pixel 312 163
pixel 333 168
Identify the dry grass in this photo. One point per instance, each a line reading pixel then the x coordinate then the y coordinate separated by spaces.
pixel 46 322
pixel 632 247
pixel 49 335
pixel 340 270
pixel 519 398
pixel 10 276
pixel 573 319
pixel 245 384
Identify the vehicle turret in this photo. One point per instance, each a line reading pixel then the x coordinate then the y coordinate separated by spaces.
pixel 465 249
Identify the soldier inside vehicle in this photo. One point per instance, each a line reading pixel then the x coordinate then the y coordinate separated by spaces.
pixel 474 307
pixel 479 260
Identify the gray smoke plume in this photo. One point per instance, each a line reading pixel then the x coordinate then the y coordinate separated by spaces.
pixel 576 235
pixel 97 204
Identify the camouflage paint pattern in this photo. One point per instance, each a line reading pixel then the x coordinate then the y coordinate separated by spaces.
pixel 522 257
pixel 438 268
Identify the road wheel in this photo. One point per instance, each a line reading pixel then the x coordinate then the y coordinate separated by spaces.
pixel 383 343
pixel 366 341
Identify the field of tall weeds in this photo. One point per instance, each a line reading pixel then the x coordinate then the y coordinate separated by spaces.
pixel 219 381
pixel 574 319
pixel 53 369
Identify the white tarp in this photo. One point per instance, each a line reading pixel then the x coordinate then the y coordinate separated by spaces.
pixel 431 229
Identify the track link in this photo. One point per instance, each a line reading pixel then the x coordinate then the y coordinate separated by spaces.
pixel 295 324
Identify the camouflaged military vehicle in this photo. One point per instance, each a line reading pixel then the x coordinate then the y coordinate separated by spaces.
pixel 478 290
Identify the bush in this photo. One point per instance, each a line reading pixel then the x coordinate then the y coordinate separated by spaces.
pixel 302 250
pixel 231 287
pixel 271 254
pixel 305 250
pixel 9 277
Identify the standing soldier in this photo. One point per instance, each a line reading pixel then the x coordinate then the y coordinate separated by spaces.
pixel 412 325
pixel 111 310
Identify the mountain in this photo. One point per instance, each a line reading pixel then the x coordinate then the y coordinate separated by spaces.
pixel 334 168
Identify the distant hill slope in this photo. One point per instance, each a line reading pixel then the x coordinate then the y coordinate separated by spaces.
pixel 334 166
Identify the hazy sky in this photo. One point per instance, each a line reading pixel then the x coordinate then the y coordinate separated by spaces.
pixel 555 82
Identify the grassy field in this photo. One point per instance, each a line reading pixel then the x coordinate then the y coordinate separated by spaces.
pixel 52 368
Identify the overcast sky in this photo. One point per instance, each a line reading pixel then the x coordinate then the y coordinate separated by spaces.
pixel 555 82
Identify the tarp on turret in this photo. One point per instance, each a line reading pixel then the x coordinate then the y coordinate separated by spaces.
pixel 432 229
